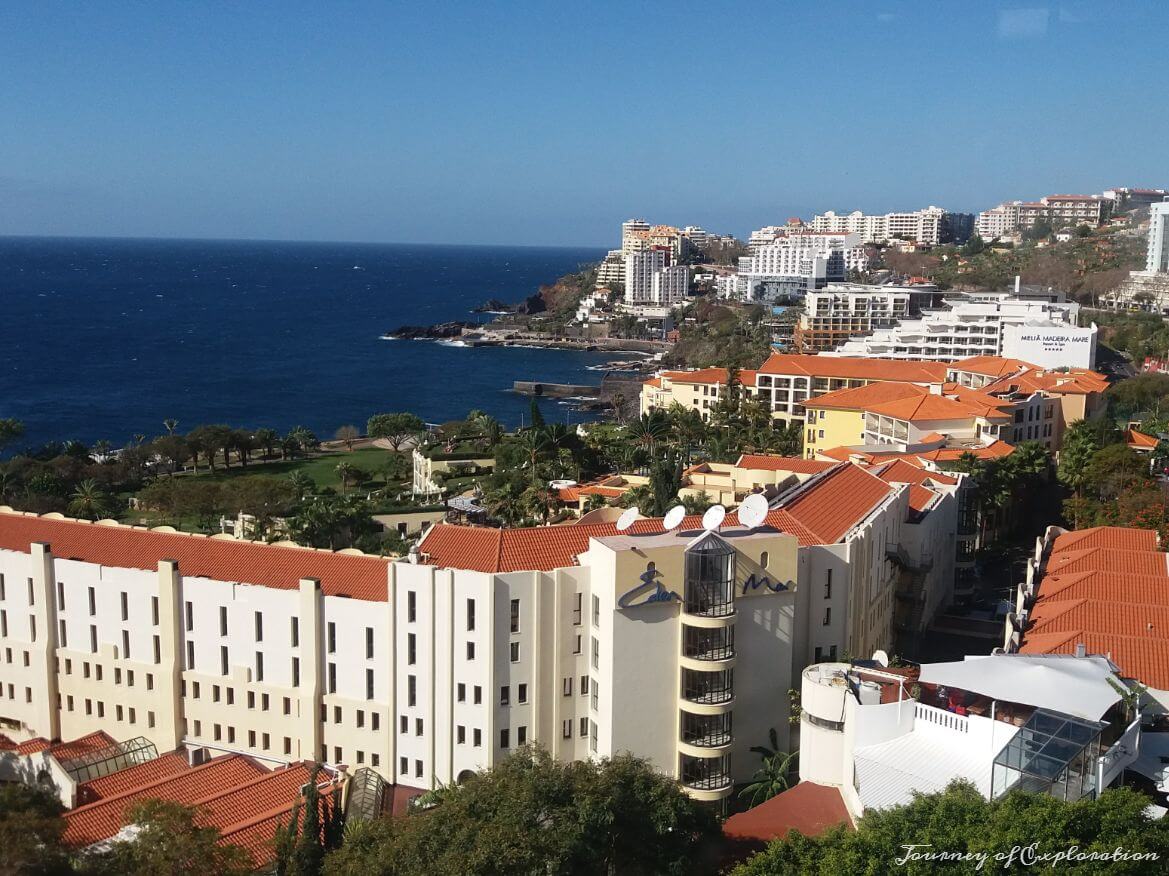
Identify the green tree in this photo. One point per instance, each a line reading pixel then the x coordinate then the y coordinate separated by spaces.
pixel 31 827
pixel 305 439
pixel 537 418
pixel 961 820
pixel 533 814
pixel 347 434
pixel 315 827
pixel 10 430
pixel 169 842
pixel 89 500
pixel 396 428
pixel 665 479
pixel 267 439
pixel 774 772
pixel 1079 444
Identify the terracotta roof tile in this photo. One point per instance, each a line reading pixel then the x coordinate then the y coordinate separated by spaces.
pixel 64 751
pixel 1139 440
pixel 1117 537
pixel 361 577
pixel 1143 658
pixel 131 777
pixel 856 367
pixel 1104 559
pixel 1138 589
pixel 989 366
pixel 807 808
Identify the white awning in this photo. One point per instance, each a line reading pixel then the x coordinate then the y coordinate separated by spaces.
pixel 1077 686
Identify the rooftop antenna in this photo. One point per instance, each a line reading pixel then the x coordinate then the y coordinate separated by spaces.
pixel 753 511
pixel 881 658
pixel 673 518
pixel 628 516
pixel 713 517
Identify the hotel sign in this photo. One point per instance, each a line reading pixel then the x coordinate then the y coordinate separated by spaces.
pixel 649 590
pixel 755 582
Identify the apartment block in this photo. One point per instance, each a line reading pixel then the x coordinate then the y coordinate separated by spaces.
pixel 841 311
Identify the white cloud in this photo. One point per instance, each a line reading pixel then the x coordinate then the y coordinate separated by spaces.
pixel 1023 23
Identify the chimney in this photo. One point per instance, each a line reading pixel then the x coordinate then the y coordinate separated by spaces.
pixel 197 756
pixel 1081 650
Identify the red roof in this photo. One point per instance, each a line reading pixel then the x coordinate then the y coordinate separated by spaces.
pixel 131 777
pixel 1141 657
pixel 361 577
pixel 1105 559
pixel 1139 440
pixel 762 462
pixel 989 366
pixel 1137 589
pixel 64 751
pixel 908 401
pixel 807 808
pixel 821 512
pixel 856 367
pixel 1118 537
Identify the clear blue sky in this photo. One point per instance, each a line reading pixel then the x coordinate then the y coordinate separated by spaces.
pixel 549 123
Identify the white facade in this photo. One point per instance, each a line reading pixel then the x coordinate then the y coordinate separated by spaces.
pixel 976 326
pixel 670 285
pixel 611 269
pixel 798 263
pixel 631 240
pixel 924 226
pixel 1158 253
pixel 997 221
pixel 640 268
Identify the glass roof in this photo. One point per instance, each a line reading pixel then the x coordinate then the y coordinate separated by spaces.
pixel 1047 743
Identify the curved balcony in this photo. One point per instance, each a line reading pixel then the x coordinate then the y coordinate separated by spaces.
pixel 706 778
pixel 709 621
pixel 704 692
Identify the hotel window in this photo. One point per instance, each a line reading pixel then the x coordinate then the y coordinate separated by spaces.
pixel 93 639
pixel 504 739
pixel 295 671
pixel 157 649
pixel 93 603
pixel 332 678
pixel 403 724
pixel 251 699
pixel 522 693
pixel 515 615
pixel 827 615
pixel 576 608
pixel 595 696
pixel 576 645
pixel 337 715
pixel 60 596
pixel 596 611
pixel 461 692
pixel 470 650
pixel 332 635
pixel 369 643
pixel 828 586
pixel 294 633
pixel 460 734
pixel 125 605
pixel 369 684
pixel 150 681
pixel 505 696
pixel 360 717
pixel 411 609
pixel 478 693
pixel 125 644
pixel 596 646
pixel 418 769
pixel 515 652
pixel 154 610
pixel 260 667
pixel 521 734
pixel 223 620
pixel 411 649
pixel 223 660
pixel 259 620
pixel 584 727
pixel 195 689
pixel 763 559
pixel 593 735
pixel 584 685
pixel 403 765
pixel 568 686
pixel 3 594
pixel 31 594
pixel 265 741
pixel 374 722
pixel 566 728
pixel 32 627
pixel 4 623
pixel 412 690
pixel 470 615
pixel 61 632
pixel 190 612
pixel 418 726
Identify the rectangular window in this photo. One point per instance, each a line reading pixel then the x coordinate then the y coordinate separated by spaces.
pixel 595 695
pixel 522 693
pixel 93 639
pixel 223 660
pixel 470 615
pixel 157 649
pixel 461 692
pixel 411 609
pixel 223 620
pixel 505 696
pixel 596 611
pixel 576 645
pixel 93 602
pixel 411 690
pixel 337 713
pixel 521 735
pixel 403 724
pixel 332 677
pixel 515 615
pixel 566 728
pixel 190 612
pixel 360 717
pixel 417 726
pixel 576 608
pixel 259 666
pixel 478 694
pixel 61 633
pixel 60 596
pixel 369 643
pixel 460 734
pixel 294 632
pixel 584 727
pixel 375 720
pixel 567 685
pixel 477 736
pixel 369 684
pixel 515 652
pixel 418 769
pixel 287 701
pixel 596 645
pixel 295 671
pixel 403 765
pixel 504 739
pixel 593 735
pixel 470 650
pixel 827 615
pixel 154 610
pixel 411 649
pixel 259 620
pixel 125 644
pixel 584 685
pixel 287 745
pixel 332 638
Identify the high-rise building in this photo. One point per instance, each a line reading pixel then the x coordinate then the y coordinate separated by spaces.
pixel 841 311
pixel 670 285
pixel 997 221
pixel 612 269
pixel 794 264
pixel 640 268
pixel 1157 260
pixel 930 226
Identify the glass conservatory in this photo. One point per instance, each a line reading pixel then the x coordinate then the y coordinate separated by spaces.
pixel 1052 753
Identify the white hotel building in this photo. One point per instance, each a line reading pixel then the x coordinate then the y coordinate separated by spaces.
pixel 588 641
pixel 924 226
pixel 795 264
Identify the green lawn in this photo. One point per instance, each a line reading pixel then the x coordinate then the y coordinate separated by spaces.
pixel 322 469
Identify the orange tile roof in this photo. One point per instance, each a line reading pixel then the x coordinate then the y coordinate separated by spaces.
pixel 1105 559
pixel 908 401
pixel 698 375
pixel 1142 658
pixel 823 510
pixel 856 367
pixel 902 471
pixel 131 777
pixel 64 751
pixel 1078 381
pixel 101 820
pixel 763 462
pixel 360 577
pixel 807 808
pixel 1102 616
pixel 1137 589
pixel 655 382
pixel 1117 537
pixel 266 808
pixel 990 366
pixel 1139 440
pixel 994 450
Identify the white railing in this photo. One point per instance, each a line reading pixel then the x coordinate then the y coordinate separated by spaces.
pixel 1122 753
pixel 942 718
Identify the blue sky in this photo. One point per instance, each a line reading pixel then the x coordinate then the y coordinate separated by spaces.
pixel 549 123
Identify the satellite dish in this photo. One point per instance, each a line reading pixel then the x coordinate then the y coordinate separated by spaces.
pixel 626 519
pixel 881 657
pixel 714 517
pixel 753 510
pixel 674 517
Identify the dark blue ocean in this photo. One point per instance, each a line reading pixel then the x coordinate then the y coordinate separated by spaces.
pixel 107 338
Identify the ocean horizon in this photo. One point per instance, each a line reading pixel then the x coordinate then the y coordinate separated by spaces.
pixel 105 338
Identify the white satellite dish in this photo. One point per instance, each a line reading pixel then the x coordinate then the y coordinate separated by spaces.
pixel 628 516
pixel 881 657
pixel 674 517
pixel 753 510
pixel 714 517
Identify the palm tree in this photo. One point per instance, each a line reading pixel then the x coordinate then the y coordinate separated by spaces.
pixel 771 778
pixel 89 500
pixel 267 439
pixel 649 431
pixel 302 482
pixel 534 443
pixel 102 449
pixel 346 472
pixel 170 424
